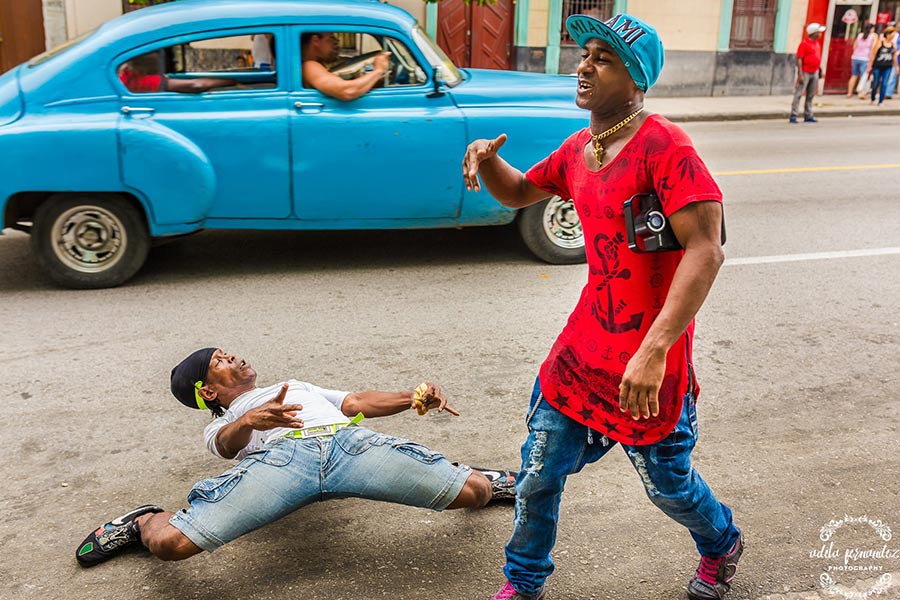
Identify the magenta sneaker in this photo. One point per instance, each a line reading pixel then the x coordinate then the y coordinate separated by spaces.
pixel 508 592
pixel 714 575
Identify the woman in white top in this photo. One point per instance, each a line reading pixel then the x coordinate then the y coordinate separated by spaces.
pixel 862 50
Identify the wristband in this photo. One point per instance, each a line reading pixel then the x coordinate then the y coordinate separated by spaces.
pixel 419 397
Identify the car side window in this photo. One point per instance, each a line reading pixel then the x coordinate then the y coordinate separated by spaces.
pixel 358 51
pixel 206 65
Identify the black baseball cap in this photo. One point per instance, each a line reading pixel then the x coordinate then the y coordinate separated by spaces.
pixel 189 376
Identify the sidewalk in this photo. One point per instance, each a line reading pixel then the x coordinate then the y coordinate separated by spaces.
pixel 737 108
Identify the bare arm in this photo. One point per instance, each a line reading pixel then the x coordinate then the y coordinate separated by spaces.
pixel 197 86
pixel 234 437
pixel 503 181
pixel 698 228
pixel 383 404
pixel 316 75
pixel 872 54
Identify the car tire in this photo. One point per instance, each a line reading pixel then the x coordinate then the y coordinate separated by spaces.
pixel 89 241
pixel 552 231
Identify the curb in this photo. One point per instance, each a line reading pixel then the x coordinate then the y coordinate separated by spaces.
pixel 771 116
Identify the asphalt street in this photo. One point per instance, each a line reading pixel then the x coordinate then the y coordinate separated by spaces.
pixel 797 357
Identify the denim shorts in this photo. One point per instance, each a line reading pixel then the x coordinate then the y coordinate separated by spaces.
pixel 289 473
pixel 858 66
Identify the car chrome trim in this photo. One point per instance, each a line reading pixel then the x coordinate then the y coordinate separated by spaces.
pixel 138 110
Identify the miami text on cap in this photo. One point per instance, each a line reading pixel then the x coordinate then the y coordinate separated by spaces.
pixel 636 43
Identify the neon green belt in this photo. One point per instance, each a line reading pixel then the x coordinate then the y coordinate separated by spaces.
pixel 321 430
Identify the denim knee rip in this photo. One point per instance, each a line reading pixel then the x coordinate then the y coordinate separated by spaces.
pixel 533 469
pixel 641 466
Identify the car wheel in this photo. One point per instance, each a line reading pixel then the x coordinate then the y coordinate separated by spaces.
pixel 552 231
pixel 89 242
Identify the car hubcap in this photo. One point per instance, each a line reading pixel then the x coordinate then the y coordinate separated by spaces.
pixel 88 239
pixel 562 225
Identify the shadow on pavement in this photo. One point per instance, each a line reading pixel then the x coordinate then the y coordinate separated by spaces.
pixel 211 255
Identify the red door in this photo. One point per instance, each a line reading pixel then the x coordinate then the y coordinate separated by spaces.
pixel 845 26
pixel 454 30
pixel 21 32
pixel 477 36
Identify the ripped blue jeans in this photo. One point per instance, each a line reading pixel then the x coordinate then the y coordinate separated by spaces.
pixel 557 447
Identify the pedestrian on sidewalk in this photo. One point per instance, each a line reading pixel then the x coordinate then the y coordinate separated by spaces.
pixel 809 70
pixel 620 371
pixel 859 62
pixel 882 62
pixel 892 76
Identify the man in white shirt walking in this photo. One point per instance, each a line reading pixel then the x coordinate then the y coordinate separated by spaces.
pixel 297 444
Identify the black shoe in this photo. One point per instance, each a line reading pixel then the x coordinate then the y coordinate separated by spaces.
pixel 714 575
pixel 113 537
pixel 503 483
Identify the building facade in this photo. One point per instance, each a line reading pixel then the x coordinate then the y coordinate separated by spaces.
pixel 713 47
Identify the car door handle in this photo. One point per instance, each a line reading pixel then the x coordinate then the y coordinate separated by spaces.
pixel 300 105
pixel 137 110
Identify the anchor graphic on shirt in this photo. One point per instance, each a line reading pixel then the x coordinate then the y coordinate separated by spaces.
pixel 608 252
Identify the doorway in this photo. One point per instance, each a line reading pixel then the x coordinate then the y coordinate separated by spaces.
pixel 477 36
pixel 846 24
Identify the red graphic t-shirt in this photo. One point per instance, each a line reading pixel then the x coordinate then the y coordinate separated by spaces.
pixel 625 290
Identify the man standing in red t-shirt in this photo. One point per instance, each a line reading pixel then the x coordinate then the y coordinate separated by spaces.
pixel 809 70
pixel 621 370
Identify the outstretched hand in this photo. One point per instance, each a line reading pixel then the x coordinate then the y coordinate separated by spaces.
pixel 476 153
pixel 432 397
pixel 275 413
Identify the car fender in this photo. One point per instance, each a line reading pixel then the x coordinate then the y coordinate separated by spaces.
pixel 58 155
pixel 167 169
pixel 533 132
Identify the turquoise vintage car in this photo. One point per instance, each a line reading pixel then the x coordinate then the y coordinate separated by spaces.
pixel 101 156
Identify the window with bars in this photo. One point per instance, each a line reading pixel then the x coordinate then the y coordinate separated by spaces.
pixel 599 9
pixel 753 24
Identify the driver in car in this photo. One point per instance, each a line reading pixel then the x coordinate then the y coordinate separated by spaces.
pixel 321 49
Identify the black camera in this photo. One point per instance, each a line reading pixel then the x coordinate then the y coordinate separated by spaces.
pixel 648 228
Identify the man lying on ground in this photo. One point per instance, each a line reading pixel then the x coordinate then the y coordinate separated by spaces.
pixel 297 444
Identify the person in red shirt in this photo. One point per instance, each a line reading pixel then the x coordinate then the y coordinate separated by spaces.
pixel 142 75
pixel 809 71
pixel 622 368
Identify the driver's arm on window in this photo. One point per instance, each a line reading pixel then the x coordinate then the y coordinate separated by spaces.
pixel 317 76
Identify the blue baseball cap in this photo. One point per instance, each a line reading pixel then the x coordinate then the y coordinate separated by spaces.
pixel 636 43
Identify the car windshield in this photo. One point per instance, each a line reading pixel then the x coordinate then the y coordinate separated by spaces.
pixel 42 58
pixel 433 53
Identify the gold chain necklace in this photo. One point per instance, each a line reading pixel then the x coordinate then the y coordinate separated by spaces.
pixel 595 139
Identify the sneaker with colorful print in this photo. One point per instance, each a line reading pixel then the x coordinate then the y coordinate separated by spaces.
pixel 508 592
pixel 714 575
pixel 112 538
